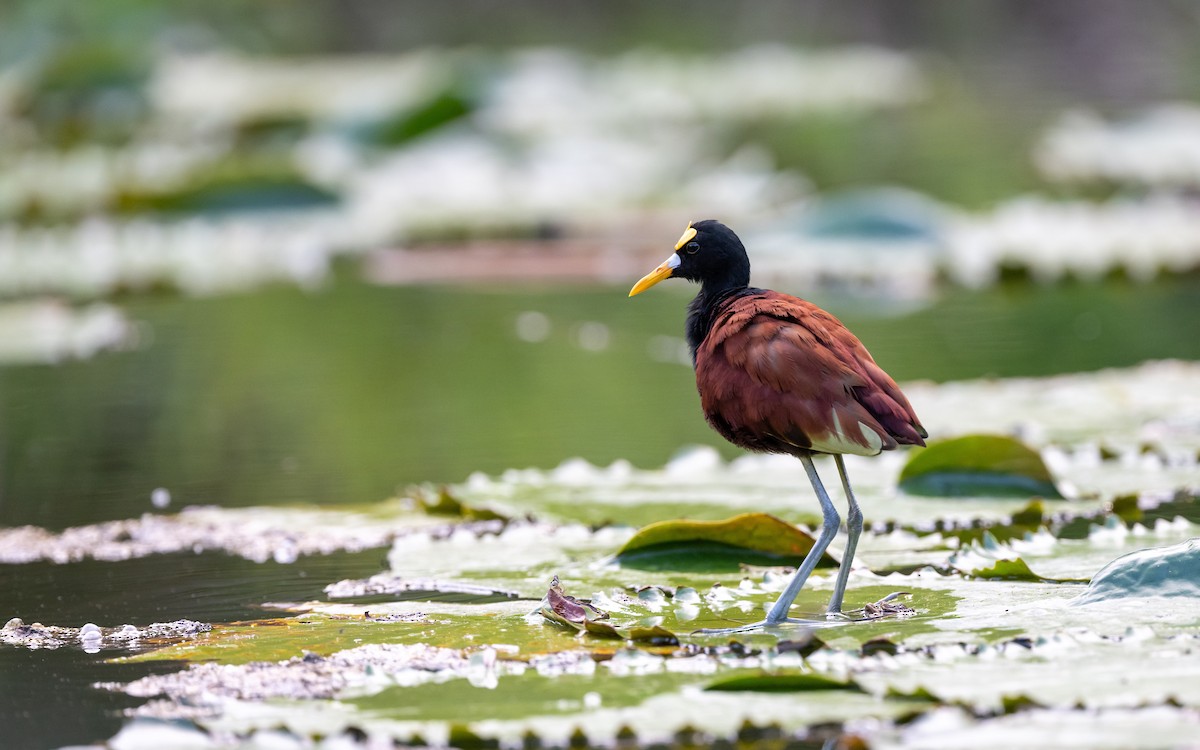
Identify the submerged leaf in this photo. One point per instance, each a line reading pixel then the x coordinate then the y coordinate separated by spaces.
pixel 750 535
pixel 978 465
pixel 782 683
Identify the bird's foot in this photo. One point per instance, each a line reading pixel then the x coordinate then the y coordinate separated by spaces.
pixel 768 626
pixel 885 607
pixel 875 610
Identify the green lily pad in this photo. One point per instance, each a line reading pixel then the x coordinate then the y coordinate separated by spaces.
pixel 978 466
pixel 755 538
pixel 1160 571
pixel 444 108
pixel 332 628
pixel 441 502
pixel 1008 570
pixel 230 186
pixel 991 559
pixel 781 683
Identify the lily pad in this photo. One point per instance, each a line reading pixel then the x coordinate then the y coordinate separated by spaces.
pixel 443 503
pixel 1008 570
pixel 1160 571
pixel 978 466
pixel 754 538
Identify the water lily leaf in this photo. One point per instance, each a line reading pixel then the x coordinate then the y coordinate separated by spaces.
pixel 655 636
pixel 1011 570
pixel 979 466
pixel 231 186
pixel 285 637
pixel 444 108
pixel 781 683
pixel 1016 570
pixel 991 560
pixel 1160 571
pixel 919 693
pixel 1011 704
pixel 749 536
pixel 443 503
pixel 330 628
pixel 601 630
pixel 1127 509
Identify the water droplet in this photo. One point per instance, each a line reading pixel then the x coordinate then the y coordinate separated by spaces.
pixel 533 326
pixel 592 336
pixel 160 497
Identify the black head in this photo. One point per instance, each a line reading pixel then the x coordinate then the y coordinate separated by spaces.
pixel 708 252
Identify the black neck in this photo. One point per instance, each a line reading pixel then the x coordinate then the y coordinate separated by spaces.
pixel 702 312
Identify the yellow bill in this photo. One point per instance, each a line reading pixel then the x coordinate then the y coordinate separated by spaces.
pixel 662 272
pixel 667 267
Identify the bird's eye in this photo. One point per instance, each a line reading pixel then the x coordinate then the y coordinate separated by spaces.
pixel 692 248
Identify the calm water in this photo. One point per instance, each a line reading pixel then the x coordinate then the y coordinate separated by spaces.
pixel 345 394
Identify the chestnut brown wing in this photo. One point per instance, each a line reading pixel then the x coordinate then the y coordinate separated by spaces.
pixel 779 374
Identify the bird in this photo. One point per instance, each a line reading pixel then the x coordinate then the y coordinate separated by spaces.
pixel 777 374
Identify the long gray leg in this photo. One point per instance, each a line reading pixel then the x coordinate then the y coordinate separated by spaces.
pixel 829 528
pixel 854 526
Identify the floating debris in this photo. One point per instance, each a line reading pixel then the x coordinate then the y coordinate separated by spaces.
pixel 258 534
pixel 93 638
pixel 306 677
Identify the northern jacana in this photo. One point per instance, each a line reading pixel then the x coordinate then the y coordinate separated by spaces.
pixel 777 374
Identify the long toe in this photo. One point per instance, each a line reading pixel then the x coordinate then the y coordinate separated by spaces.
pixel 761 626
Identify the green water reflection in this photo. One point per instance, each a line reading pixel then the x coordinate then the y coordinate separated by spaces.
pixel 344 394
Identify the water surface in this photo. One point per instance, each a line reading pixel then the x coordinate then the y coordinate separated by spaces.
pixel 345 394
